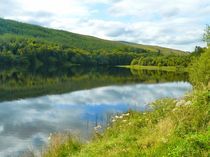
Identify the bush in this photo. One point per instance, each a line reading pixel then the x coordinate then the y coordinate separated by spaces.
pixel 200 70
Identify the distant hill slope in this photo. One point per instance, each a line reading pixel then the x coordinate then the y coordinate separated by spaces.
pixel 62 37
pixel 74 40
pixel 162 50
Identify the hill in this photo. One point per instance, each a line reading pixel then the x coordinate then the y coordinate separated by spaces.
pixel 73 40
pixel 33 46
pixel 57 36
pixel 162 50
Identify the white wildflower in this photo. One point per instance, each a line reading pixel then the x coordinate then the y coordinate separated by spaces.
pixel 120 117
pixel 164 140
pixel 127 114
pixel 174 109
pixel 50 137
pixel 188 103
pixel 97 127
pixel 116 117
pixel 180 103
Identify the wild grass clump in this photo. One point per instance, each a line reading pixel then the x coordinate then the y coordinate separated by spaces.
pixel 62 145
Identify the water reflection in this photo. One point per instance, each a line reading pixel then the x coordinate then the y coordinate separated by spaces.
pixel 28 122
pixel 23 83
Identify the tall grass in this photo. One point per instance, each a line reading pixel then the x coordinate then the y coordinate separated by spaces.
pixel 62 145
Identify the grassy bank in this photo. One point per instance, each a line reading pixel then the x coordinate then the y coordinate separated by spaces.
pixel 162 68
pixel 173 128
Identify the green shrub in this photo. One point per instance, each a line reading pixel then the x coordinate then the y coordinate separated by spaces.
pixel 200 70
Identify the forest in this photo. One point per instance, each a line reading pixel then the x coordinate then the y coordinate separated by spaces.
pixel 33 52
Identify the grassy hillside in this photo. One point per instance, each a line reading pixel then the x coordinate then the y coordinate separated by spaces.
pixel 162 50
pixel 73 40
pixel 58 36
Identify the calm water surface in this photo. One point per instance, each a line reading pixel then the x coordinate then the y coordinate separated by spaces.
pixel 33 105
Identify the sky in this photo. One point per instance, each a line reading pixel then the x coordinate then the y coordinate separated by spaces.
pixel 176 24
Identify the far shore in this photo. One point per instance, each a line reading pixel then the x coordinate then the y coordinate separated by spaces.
pixel 162 68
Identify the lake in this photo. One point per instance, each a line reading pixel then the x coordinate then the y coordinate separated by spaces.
pixel 37 102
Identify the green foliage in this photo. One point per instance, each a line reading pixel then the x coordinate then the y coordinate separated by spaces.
pixel 207 35
pixel 62 145
pixel 65 38
pixel 170 59
pixel 200 70
pixel 68 39
pixel 161 60
pixel 198 51
pixel 32 52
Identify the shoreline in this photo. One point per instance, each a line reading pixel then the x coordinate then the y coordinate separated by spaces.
pixel 161 68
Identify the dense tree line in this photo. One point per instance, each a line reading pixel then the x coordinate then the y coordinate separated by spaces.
pixel 169 60
pixel 19 50
pixel 33 52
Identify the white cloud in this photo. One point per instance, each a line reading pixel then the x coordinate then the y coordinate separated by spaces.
pixel 158 7
pixel 58 7
pixel 177 24
pixel 111 95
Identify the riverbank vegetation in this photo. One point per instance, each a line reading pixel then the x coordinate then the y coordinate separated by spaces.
pixel 174 128
pixel 171 127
